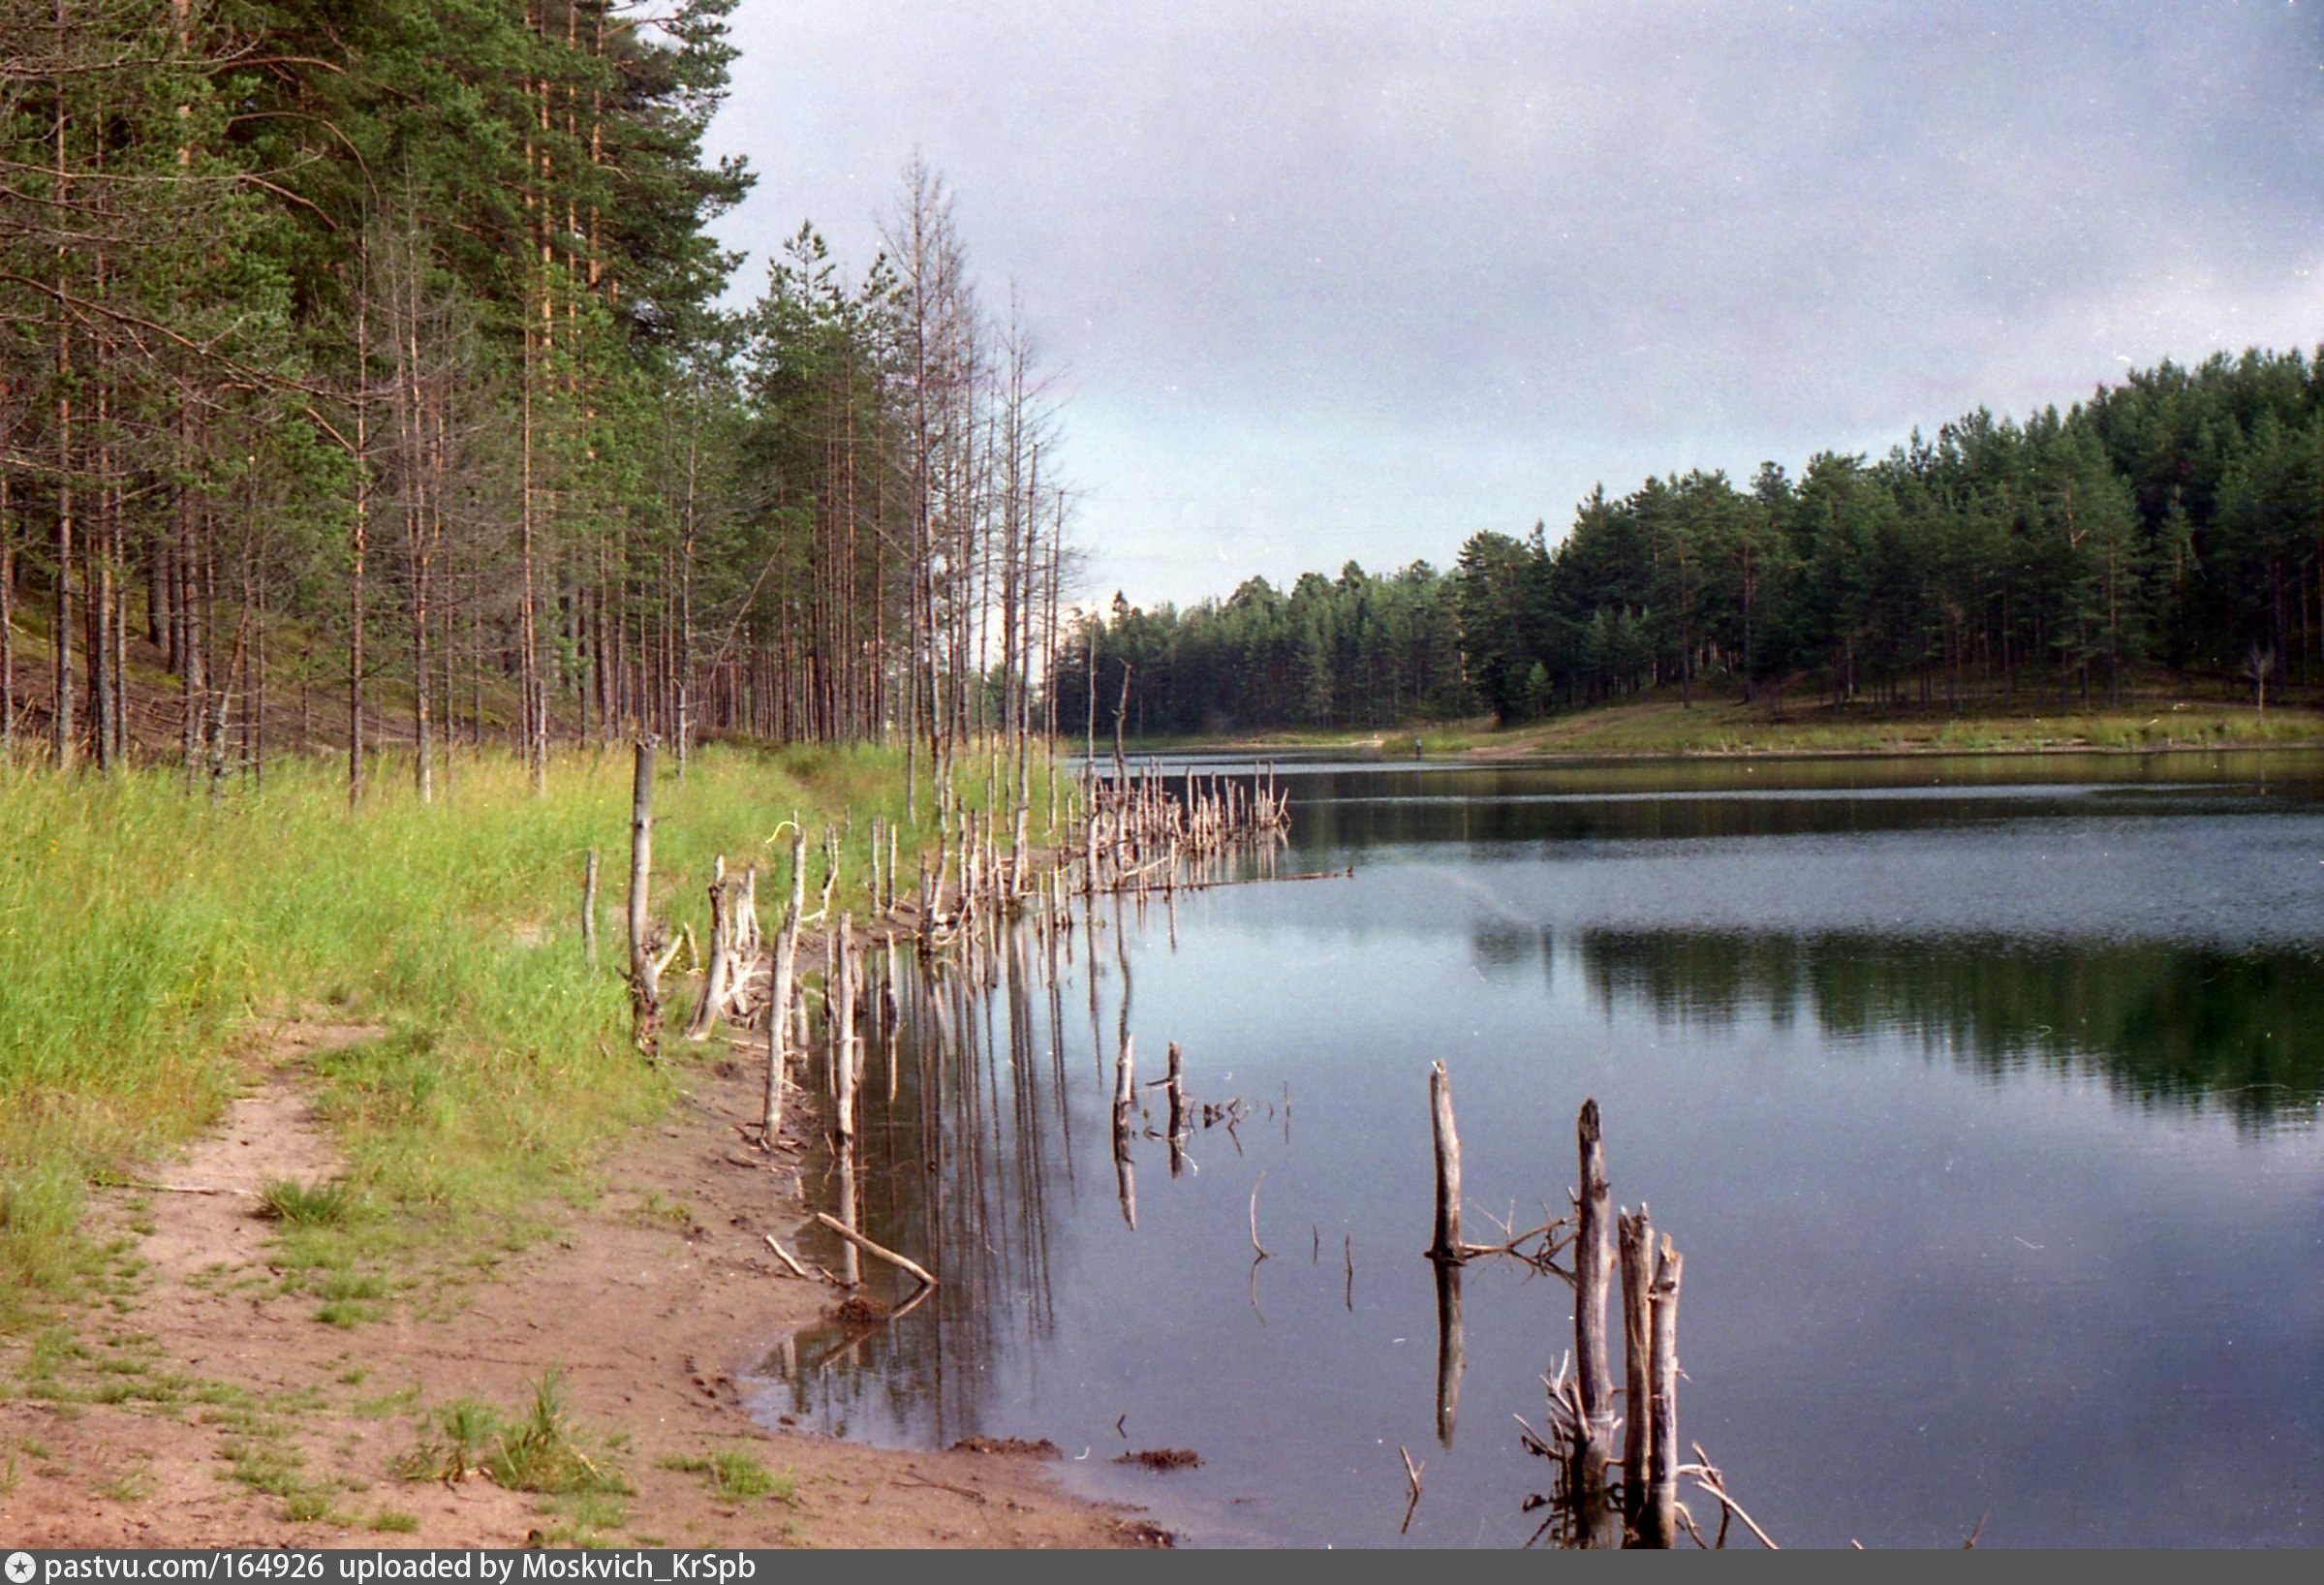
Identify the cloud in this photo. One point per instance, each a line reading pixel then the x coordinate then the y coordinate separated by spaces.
pixel 1318 270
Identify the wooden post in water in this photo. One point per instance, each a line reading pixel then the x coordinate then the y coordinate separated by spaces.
pixel 1446 1245
pixel 1662 1483
pixel 1636 1231
pixel 1125 1092
pixel 850 1264
pixel 1591 1259
pixel 778 1018
pixel 841 997
pixel 646 991
pixel 1126 1109
pixel 589 911
pixel 1175 1089
pixel 801 1030
pixel 831 1010
pixel 888 1016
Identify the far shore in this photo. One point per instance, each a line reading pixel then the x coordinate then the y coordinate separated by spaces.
pixel 1661 726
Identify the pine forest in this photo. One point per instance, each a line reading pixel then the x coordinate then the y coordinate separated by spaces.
pixel 374 354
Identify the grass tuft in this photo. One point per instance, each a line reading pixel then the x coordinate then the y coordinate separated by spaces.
pixel 537 1451
pixel 129 1486
pixel 304 1205
pixel 736 1475
pixel 586 1519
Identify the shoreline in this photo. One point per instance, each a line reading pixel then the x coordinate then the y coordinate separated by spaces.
pixel 1514 754
pixel 1898 751
pixel 210 1407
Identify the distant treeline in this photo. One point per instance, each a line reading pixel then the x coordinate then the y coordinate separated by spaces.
pixel 2176 520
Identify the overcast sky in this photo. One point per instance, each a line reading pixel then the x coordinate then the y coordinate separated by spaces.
pixel 1356 279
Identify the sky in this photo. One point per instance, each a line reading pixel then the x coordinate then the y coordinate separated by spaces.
pixel 1333 280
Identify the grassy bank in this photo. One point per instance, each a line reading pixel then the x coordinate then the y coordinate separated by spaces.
pixel 1659 724
pixel 147 936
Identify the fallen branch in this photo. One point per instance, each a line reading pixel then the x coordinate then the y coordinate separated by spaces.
pixel 1545 1242
pixel 786 1258
pixel 1711 1480
pixel 976 1497
pixel 1412 1473
pixel 1254 1243
pixel 907 1267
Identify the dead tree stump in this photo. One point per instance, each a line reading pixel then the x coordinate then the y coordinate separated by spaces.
pixel 645 979
pixel 1592 1259
pixel 1446 1245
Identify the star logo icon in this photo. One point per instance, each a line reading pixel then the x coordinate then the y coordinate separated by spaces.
pixel 22 1567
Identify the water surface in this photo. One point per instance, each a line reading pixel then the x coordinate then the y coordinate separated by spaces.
pixel 1982 1097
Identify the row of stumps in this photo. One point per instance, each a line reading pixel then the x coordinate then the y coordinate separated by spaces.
pixel 1596 1499
pixel 1139 835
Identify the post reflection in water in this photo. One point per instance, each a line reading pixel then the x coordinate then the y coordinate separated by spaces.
pixel 1451 1352
pixel 973 1135
pixel 951 1168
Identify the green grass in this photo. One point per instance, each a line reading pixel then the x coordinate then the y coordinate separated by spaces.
pixel 269 1462
pixel 1717 725
pixel 537 1451
pixel 401 1401
pixel 272 1466
pixel 306 1507
pixel 1659 724
pixel 133 1485
pixel 322 1205
pixel 144 931
pixel 63 1368
pixel 454 1445
pixel 347 1314
pixel 586 1519
pixel 736 1475
pixel 541 1452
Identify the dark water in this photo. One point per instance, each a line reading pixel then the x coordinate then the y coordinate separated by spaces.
pixel 1983 1097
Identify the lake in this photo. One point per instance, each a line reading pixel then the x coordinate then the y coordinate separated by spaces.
pixel 1981 1095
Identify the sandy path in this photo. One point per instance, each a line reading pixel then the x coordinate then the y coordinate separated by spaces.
pixel 197 1403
